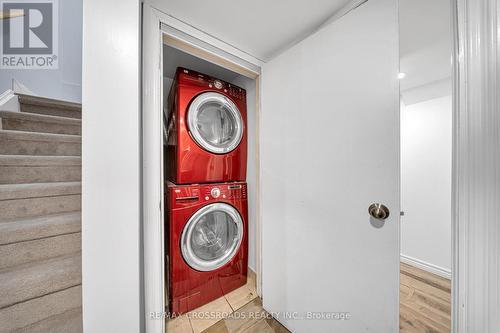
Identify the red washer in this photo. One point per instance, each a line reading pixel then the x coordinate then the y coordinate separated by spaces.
pixel 206 243
pixel 206 130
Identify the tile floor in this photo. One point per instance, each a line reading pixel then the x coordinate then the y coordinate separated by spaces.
pixel 239 311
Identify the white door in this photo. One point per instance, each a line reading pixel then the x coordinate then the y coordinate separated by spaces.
pixel 330 148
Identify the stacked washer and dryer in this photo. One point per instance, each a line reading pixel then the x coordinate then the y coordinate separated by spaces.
pixel 206 197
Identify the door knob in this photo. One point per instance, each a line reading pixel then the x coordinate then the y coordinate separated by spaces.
pixel 378 211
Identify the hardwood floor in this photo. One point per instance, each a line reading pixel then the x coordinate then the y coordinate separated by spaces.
pixel 425 307
pixel 425 302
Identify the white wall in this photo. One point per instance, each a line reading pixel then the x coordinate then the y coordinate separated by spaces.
pixel 111 213
pixel 426 182
pixel 66 82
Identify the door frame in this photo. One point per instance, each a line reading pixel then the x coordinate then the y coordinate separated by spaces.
pixel 160 28
pixel 475 179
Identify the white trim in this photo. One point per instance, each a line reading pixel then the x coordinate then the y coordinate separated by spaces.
pixel 198 35
pixel 20 88
pixel 9 101
pixel 152 113
pixel 199 43
pixel 152 180
pixel 476 165
pixel 431 268
pixel 6 95
pixel 455 78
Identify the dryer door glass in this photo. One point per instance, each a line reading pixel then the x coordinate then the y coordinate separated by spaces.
pixel 215 123
pixel 212 237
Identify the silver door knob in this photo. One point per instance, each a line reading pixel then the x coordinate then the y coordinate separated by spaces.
pixel 378 211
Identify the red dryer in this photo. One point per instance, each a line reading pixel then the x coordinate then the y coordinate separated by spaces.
pixel 207 243
pixel 206 130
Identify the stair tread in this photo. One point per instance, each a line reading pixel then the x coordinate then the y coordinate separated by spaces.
pixel 49 102
pixel 28 169
pixel 39 206
pixel 19 253
pixel 39 160
pixel 69 321
pixel 36 190
pixel 35 310
pixel 39 136
pixel 25 229
pixel 31 280
pixel 40 117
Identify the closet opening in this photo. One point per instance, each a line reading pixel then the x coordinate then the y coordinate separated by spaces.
pixel 207 227
pixel 426 165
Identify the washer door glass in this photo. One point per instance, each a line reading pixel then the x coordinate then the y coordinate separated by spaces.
pixel 211 237
pixel 215 123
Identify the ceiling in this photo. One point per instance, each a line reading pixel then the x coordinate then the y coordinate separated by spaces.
pixel 261 28
pixel 425 46
pixel 265 28
pixel 423 22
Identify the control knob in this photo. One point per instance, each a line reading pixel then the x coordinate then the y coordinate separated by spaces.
pixel 215 192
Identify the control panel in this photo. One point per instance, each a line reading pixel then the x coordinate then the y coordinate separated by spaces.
pixel 225 191
pixel 190 194
pixel 210 82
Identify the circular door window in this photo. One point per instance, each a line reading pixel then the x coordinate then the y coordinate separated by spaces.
pixel 215 123
pixel 211 237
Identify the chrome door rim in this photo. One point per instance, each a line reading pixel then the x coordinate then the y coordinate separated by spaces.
pixel 187 251
pixel 192 116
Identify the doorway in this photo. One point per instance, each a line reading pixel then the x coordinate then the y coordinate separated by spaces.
pixel 177 58
pixel 183 46
pixel 426 165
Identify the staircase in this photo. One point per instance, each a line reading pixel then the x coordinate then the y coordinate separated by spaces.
pixel 40 217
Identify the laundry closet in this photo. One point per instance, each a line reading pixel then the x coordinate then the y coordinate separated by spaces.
pixel 322 148
pixel 210 173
